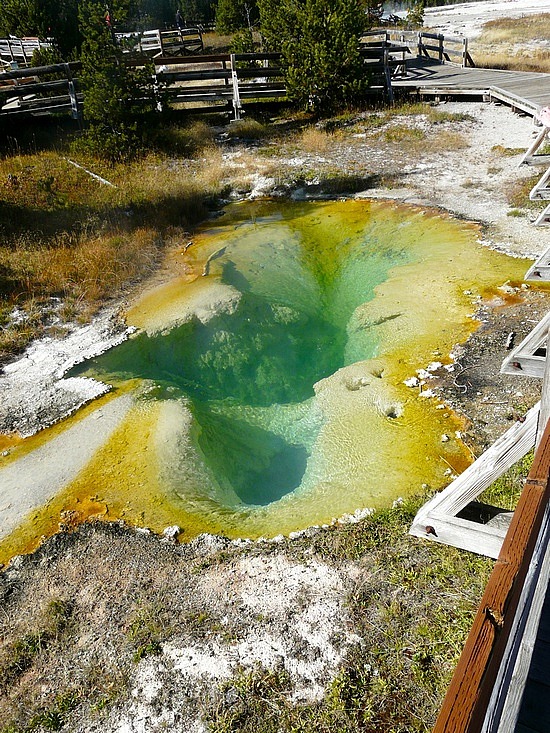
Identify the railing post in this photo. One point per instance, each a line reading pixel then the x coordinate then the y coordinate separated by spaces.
pixel 544 413
pixel 419 44
pixel 441 37
pixel 387 74
pixel 464 52
pixel 236 95
pixel 75 111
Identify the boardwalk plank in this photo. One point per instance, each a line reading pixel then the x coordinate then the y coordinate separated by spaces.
pixel 538 671
pixel 524 729
pixel 532 88
pixel 535 708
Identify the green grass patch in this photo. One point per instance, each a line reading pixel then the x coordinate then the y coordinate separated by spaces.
pixel 146 631
pixel 404 134
pixel 506 490
pixel 19 655
pixel 412 610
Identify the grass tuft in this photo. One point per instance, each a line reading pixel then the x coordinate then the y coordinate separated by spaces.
pixel 316 141
pixel 19 655
pixel 248 129
pixel 146 632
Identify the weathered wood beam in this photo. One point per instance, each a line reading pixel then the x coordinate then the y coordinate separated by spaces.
pixel 529 158
pixel 525 358
pixel 465 705
pixel 544 413
pixel 437 520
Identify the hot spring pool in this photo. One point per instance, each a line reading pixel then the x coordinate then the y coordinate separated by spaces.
pixel 268 373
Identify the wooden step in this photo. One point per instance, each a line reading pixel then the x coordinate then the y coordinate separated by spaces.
pixel 541 191
pixel 530 157
pixel 544 218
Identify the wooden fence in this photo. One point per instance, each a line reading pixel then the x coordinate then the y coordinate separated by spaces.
pixel 435 46
pixel 228 78
pixel 19 50
pixel 174 42
pixel 40 89
pixel 486 688
pixel 185 77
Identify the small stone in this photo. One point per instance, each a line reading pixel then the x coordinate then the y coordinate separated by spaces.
pixel 171 533
pixel 445 438
pixel 434 366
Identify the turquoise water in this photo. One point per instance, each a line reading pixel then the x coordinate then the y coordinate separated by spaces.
pixel 247 372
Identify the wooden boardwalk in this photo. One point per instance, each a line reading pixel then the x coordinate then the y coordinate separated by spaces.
pixel 534 712
pixel 527 91
pixel 497 668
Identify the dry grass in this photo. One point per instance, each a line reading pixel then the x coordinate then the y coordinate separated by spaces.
pixel 516 30
pixel 67 236
pixel 518 193
pixel 316 141
pixel 446 140
pixel 505 44
pixel 535 60
pixel 248 129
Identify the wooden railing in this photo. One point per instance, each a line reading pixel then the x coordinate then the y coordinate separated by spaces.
pixel 229 78
pixel 40 89
pixel 188 79
pixel 480 695
pixel 444 48
pixel 20 50
pixel 385 59
pixel 435 46
pixel 157 42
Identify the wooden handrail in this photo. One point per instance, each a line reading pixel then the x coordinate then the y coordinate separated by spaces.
pixel 37 70
pixel 465 705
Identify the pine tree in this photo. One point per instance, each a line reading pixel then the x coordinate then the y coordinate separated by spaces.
pixel 235 15
pixel 114 94
pixel 57 19
pixel 319 41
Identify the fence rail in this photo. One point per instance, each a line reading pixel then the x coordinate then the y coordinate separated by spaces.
pixel 228 78
pixel 445 49
pixel 173 42
pixel 20 50
pixel 185 76
pixel 40 89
